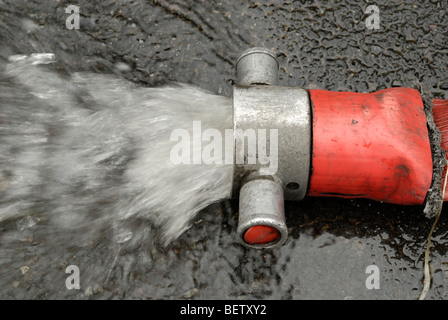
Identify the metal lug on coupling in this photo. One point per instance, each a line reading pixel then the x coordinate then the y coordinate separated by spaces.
pixel 261 223
pixel 257 66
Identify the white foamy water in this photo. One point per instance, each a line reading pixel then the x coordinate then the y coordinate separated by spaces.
pixel 87 150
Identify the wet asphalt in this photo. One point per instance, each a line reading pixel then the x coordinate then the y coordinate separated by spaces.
pixel 320 44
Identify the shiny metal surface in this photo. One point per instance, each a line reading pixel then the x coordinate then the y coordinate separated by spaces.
pixel 261 203
pixel 257 66
pixel 287 111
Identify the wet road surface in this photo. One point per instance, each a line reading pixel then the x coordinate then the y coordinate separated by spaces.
pixel 320 44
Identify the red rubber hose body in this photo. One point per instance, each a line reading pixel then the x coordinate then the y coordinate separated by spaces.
pixel 370 145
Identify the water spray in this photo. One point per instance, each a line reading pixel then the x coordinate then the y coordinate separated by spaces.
pixel 330 144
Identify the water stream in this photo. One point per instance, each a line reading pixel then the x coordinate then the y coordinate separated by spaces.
pixel 86 154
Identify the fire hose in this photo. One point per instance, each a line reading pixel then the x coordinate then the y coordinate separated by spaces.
pixel 330 144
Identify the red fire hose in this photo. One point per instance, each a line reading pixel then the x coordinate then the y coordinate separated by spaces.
pixel 370 145
pixel 382 146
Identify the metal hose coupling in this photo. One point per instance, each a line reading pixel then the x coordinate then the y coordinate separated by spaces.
pixel 283 115
pixel 364 145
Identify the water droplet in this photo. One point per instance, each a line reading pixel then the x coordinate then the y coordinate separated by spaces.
pixel 123 237
pixel 190 293
pixel 27 223
pixel 122 67
pixel 24 269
